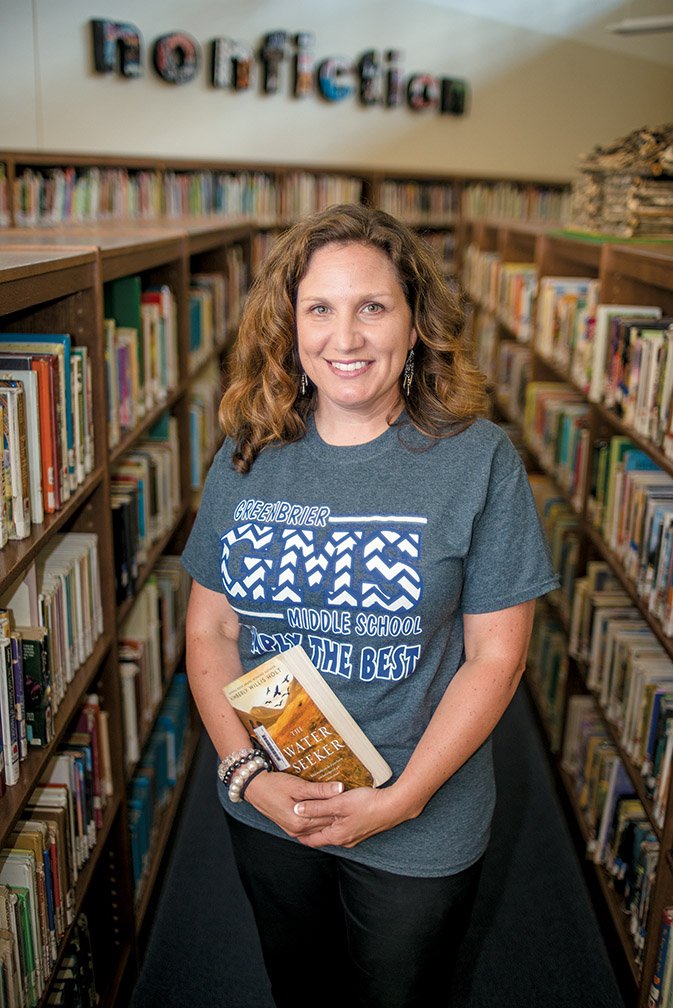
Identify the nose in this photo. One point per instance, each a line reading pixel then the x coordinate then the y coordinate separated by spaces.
pixel 347 334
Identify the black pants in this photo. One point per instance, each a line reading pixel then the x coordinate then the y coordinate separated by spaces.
pixel 335 932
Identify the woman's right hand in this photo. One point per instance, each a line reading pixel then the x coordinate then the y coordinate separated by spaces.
pixel 276 794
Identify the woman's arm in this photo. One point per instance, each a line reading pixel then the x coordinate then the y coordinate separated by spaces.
pixel 473 703
pixel 213 660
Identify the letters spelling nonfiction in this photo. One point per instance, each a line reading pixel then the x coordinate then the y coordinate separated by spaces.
pixel 376 78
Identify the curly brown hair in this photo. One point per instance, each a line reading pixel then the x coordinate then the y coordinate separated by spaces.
pixel 263 403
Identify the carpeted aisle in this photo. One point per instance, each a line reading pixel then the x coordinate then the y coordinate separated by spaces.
pixel 534 940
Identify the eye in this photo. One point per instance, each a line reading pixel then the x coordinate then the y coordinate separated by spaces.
pixel 372 308
pixel 319 309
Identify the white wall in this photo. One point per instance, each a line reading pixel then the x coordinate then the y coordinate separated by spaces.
pixel 547 81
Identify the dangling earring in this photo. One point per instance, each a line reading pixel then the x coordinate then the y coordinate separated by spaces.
pixel 408 375
pixel 303 386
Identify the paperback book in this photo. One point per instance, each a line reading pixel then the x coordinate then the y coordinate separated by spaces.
pixel 291 711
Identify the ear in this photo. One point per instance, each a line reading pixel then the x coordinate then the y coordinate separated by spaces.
pixel 412 338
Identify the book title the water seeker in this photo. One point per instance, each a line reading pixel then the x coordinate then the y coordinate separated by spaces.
pixel 302 725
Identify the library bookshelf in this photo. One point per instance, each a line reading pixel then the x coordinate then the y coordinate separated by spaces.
pixel 534 355
pixel 73 232
pixel 57 282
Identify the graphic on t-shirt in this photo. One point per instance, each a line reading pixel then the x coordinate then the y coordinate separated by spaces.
pixel 328 578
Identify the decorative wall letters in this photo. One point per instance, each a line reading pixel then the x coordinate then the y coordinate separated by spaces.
pixel 374 78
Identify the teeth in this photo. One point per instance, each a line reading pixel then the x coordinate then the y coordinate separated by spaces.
pixel 353 366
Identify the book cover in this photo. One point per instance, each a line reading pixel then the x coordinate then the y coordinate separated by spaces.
pixel 289 709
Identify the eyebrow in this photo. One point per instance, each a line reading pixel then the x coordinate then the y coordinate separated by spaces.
pixel 365 297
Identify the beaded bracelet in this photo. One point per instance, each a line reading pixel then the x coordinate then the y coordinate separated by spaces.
pixel 240 778
pixel 230 771
pixel 234 757
pixel 258 770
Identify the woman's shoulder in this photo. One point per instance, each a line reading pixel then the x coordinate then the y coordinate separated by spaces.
pixel 481 437
pixel 486 431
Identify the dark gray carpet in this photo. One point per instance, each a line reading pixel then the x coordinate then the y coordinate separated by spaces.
pixel 534 940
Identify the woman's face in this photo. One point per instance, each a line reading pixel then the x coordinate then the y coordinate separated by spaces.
pixel 354 331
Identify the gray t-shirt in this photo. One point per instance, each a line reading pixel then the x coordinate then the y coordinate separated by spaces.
pixel 368 556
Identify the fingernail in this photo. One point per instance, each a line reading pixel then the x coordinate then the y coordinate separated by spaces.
pixel 299 809
pixel 337 787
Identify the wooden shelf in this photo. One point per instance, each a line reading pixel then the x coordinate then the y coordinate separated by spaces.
pixel 626 274
pixel 56 278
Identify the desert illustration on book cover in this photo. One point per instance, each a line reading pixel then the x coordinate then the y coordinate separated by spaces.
pixel 312 736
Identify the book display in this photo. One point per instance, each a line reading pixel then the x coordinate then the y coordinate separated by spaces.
pixel 594 409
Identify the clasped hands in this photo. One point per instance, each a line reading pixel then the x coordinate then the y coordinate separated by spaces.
pixel 322 814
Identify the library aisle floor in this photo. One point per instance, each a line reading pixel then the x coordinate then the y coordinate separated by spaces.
pixel 534 940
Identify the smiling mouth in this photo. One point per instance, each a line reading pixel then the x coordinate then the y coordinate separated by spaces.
pixel 349 366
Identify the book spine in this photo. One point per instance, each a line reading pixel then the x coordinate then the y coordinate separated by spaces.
pixel 19 692
pixel 39 712
pixel 8 713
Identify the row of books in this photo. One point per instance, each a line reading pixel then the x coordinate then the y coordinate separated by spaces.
pixel 661 989
pixel 618 355
pixel 625 665
pixel 207 316
pixel 513 370
pixel 151 639
pixel 47 427
pixel 159 769
pixel 50 621
pixel 74 983
pixel 630 674
pixel 506 289
pixel 555 425
pixel 50 196
pixel 46 851
pixel 204 430
pixel 547 671
pixel 215 305
pixel 512 201
pixel 145 500
pixel 629 498
pixel 562 530
pixel 420 202
pixel 141 351
pixel 629 501
pixel 638 377
pixel 301 193
pixel 620 837
pixel 564 308
pixel 58 195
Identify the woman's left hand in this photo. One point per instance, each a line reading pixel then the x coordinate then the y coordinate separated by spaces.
pixel 357 814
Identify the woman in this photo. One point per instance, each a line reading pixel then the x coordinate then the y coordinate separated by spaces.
pixel 357 483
